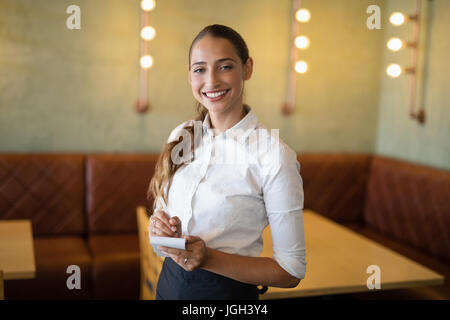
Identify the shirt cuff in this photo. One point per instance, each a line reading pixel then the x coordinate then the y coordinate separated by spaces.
pixel 292 261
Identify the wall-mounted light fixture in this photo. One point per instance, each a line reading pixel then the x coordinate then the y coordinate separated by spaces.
pixel 396 44
pixel 146 60
pixel 299 42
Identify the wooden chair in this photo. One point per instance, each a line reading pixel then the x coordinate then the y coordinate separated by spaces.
pixel 2 291
pixel 151 264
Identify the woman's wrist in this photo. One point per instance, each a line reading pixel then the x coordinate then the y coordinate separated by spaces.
pixel 254 270
pixel 207 258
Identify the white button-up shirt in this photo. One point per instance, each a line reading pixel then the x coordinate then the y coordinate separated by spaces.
pixel 235 187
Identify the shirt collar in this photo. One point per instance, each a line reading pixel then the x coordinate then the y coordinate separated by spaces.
pixel 246 125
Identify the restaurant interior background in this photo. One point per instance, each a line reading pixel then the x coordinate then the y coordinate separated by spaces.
pixel 74 90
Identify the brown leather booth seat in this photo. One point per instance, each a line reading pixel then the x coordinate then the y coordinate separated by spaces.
pixel 83 211
pixel 49 190
pixel 407 209
pixel 335 184
pixel 116 184
pixel 403 206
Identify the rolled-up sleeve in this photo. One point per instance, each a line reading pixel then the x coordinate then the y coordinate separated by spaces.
pixel 283 197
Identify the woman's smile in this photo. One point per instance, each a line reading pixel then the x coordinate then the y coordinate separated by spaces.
pixel 215 95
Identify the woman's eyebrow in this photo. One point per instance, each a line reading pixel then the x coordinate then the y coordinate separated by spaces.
pixel 218 61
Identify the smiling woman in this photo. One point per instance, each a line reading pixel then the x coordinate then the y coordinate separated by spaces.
pixel 217 72
pixel 221 209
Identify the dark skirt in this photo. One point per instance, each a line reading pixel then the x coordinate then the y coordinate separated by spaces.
pixel 175 283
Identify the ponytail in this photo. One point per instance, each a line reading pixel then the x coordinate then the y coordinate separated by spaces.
pixel 165 168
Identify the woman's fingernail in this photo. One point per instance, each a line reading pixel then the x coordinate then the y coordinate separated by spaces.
pixel 174 229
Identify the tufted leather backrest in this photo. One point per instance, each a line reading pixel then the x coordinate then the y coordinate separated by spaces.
pixel 410 203
pixel 334 184
pixel 46 188
pixel 116 185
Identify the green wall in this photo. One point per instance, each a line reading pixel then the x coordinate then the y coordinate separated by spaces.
pixel 74 90
pixel 398 135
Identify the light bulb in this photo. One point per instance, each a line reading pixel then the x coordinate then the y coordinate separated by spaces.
pixel 303 15
pixel 146 61
pixel 302 42
pixel 397 18
pixel 148 33
pixel 301 66
pixel 395 44
pixel 148 5
pixel 394 70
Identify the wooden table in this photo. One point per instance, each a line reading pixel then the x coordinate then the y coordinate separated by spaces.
pixel 337 260
pixel 16 249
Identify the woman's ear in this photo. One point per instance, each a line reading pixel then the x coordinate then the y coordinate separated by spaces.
pixel 248 68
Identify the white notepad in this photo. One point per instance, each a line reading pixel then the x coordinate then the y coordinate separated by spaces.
pixel 178 243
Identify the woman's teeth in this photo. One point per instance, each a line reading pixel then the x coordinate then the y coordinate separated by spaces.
pixel 215 94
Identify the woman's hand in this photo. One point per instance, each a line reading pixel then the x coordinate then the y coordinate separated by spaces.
pixel 163 226
pixel 193 257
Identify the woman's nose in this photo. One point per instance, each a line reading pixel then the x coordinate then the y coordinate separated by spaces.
pixel 211 78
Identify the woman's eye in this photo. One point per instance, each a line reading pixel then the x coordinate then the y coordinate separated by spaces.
pixel 199 70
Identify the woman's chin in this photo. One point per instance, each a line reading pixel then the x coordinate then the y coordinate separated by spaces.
pixel 216 107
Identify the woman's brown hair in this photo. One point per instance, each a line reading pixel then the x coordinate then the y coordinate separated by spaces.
pixel 165 168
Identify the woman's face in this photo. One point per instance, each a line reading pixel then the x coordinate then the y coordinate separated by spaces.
pixel 216 75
